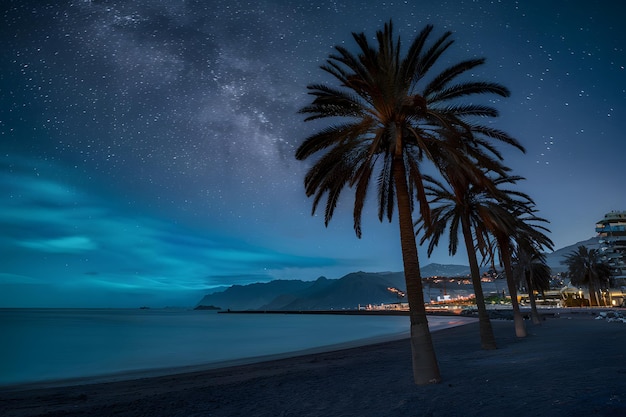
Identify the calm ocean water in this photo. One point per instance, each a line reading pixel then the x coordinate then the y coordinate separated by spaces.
pixel 51 344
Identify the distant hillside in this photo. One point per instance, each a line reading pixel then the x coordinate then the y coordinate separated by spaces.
pixel 347 292
pixel 322 294
pixel 358 288
pixel 252 296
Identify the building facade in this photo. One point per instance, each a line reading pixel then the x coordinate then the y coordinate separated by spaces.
pixel 612 233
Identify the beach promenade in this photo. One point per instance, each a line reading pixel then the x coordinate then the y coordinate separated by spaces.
pixel 572 365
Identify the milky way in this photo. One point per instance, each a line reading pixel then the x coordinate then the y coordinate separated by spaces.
pixel 147 146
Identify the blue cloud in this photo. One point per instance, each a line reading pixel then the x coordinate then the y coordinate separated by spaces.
pixel 64 235
pixel 67 244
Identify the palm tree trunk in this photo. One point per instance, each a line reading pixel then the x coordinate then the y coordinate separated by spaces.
pixel 425 366
pixel 520 327
pixel 534 314
pixel 487 339
pixel 593 296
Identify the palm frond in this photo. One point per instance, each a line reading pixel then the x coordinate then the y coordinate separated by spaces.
pixel 446 76
pixel 498 135
pixel 428 59
pixel 385 187
pixel 463 110
pixel 412 58
pixel 469 88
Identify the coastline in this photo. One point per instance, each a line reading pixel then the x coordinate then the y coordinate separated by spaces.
pixel 438 324
pixel 143 344
pixel 143 374
pixel 573 365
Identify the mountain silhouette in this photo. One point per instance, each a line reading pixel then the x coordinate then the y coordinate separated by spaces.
pixel 349 291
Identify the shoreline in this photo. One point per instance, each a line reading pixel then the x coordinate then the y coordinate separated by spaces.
pixel 208 366
pixel 141 374
pixel 573 365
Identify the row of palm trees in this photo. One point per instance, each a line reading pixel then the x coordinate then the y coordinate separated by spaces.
pixel 418 140
pixel 502 220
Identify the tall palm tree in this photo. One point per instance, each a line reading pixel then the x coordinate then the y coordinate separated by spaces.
pixel 585 267
pixel 532 274
pixel 469 198
pixel 454 207
pixel 388 119
pixel 530 262
pixel 504 218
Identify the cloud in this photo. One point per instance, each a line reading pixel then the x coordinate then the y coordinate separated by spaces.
pixel 66 234
pixel 67 244
pixel 6 278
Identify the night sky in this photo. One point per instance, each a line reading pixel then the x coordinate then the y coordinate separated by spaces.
pixel 147 147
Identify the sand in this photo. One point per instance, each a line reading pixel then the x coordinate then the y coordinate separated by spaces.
pixel 572 365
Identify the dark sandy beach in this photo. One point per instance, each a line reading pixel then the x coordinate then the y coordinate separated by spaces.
pixel 573 365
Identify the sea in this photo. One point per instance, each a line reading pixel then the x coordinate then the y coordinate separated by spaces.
pixel 55 345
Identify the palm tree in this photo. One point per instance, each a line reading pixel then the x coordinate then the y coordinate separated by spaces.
pixel 530 263
pixel 502 230
pixel 585 267
pixel 456 207
pixel 470 192
pixel 533 274
pixel 389 119
pixel 503 217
